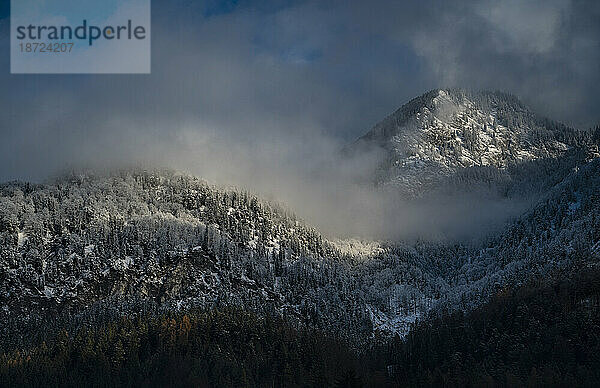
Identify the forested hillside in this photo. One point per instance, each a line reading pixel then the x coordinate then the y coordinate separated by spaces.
pixel 152 276
pixel 169 239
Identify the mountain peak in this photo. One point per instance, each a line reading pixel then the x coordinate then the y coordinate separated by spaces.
pixel 442 101
pixel 445 130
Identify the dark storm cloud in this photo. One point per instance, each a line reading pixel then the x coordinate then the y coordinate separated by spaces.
pixel 261 94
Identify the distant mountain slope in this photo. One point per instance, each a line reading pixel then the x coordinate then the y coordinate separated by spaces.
pixel 435 135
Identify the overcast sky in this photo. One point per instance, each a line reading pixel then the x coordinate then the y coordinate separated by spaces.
pixel 251 74
pixel 261 94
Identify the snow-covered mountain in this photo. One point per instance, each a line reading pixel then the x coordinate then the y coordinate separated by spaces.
pixel 435 135
pixel 127 239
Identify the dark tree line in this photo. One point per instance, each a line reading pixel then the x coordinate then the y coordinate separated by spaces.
pixel 546 333
pixel 219 348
